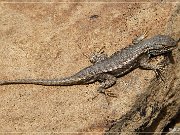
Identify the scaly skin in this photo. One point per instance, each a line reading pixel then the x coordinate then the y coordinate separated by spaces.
pixel 106 69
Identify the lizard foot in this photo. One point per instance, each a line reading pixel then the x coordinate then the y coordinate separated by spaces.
pixel 159 74
pixel 110 94
pixel 140 38
pixel 101 91
pixel 106 93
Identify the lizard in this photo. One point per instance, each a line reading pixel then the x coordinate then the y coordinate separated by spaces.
pixel 106 69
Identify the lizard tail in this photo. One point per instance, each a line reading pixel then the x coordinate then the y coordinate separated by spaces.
pixel 54 82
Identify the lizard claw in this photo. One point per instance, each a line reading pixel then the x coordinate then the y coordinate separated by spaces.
pixel 110 94
pixel 95 96
pixel 159 75
pixel 160 66
pixel 101 50
pixel 106 92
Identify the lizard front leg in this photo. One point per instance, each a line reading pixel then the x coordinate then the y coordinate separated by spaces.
pixel 145 64
pixel 98 56
pixel 139 38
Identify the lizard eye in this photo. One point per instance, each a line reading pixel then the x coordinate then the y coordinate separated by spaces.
pixel 150 55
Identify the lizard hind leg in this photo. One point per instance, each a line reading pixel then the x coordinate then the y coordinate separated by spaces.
pixel 106 81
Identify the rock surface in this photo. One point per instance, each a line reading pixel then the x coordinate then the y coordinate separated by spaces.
pixel 53 40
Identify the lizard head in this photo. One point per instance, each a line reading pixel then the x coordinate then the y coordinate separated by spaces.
pixel 161 44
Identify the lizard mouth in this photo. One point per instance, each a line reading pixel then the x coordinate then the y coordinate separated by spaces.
pixel 169 48
pixel 156 52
